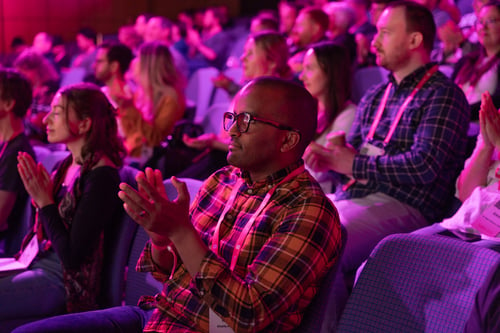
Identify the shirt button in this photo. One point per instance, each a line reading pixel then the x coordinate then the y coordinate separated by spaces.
pixel 202 293
pixel 229 216
pixel 169 299
pixel 250 191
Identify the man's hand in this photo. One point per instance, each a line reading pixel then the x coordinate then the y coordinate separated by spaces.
pixel 337 158
pixel 149 206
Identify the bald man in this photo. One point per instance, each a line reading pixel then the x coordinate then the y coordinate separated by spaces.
pixel 256 241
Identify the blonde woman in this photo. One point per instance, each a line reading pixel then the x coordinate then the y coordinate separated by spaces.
pixel 159 99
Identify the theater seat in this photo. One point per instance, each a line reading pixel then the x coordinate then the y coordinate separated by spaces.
pixel 417 283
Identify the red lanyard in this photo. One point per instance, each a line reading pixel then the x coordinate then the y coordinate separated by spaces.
pixel 402 108
pixel 249 224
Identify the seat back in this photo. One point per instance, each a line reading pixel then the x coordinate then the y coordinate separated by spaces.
pixel 213 119
pixel 50 161
pixel 366 77
pixel 139 283
pixel 321 315
pixel 117 242
pixel 200 90
pixel 74 75
pixel 417 283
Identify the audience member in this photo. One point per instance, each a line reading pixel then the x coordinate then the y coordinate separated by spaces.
pixel 159 29
pixel 44 79
pixel 61 56
pixel 42 44
pixel 480 71
pixel 252 280
pixel 341 19
pixel 468 21
pixel 310 27
pixel 327 76
pixel 75 207
pixel 112 62
pixel 86 39
pixel 128 36
pixel 477 187
pixel 288 12
pixel 141 23
pixel 212 47
pixel 17 46
pixel 15 99
pixel 407 143
pixel 160 99
pixel 363 31
pixel 261 23
pixel 265 54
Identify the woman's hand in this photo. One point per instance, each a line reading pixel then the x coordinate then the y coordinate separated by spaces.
pixel 201 142
pixel 36 180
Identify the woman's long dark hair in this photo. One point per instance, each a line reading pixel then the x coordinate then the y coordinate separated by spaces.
pixel 334 60
pixel 102 139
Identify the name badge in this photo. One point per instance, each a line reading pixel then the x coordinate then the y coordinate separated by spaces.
pixel 488 223
pixel 368 149
pixel 217 325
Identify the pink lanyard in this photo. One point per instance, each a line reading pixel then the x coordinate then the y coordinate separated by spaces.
pixel 402 108
pixel 248 226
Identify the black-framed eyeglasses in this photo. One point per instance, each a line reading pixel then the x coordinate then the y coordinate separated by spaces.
pixel 244 119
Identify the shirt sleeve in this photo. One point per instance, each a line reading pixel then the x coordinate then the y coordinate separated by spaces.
pixel 441 129
pixel 95 210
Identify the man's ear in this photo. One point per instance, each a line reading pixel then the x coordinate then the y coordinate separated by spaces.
pixel 84 126
pixel 290 141
pixel 416 40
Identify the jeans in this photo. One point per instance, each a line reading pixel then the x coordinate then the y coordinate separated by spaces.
pixel 121 319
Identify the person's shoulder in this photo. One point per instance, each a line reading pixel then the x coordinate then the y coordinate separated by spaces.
pixel 105 174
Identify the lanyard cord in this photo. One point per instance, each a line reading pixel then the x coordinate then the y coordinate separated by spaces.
pixel 402 108
pixel 249 224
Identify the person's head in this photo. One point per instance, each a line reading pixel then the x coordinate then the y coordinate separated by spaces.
pixel 478 4
pixel 405 30
pixel 263 23
pixel 15 93
pixel 155 68
pixel 82 113
pixel 141 23
pixel 112 60
pixel 488 26
pixel 265 54
pixel 360 8
pixel 310 26
pixel 158 29
pixel 341 18
pixel 86 39
pixel 18 44
pixel 42 42
pixel 279 123
pixel 288 12
pixel 214 17
pixel 327 75
pixel 376 9
pixel 36 68
pixel 128 35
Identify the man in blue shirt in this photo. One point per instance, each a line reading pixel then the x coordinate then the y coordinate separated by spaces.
pixel 407 143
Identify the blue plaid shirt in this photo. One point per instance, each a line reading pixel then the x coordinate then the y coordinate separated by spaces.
pixel 426 152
